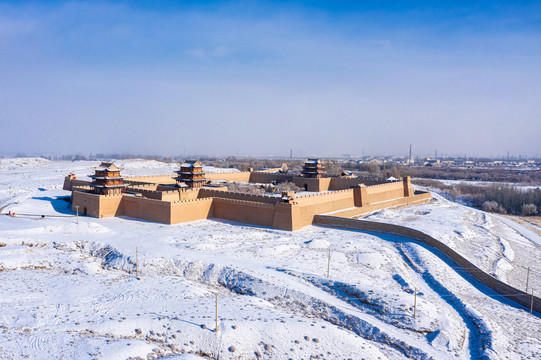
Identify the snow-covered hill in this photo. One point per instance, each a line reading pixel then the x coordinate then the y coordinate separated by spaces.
pixel 69 290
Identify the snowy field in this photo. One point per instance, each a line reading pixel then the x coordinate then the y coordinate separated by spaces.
pixel 69 290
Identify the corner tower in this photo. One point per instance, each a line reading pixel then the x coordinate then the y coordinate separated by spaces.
pixel 107 180
pixel 313 168
pixel 191 173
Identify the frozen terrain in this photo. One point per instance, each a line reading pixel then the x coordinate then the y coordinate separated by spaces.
pixel 70 291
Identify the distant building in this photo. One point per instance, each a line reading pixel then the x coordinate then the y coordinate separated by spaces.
pixel 106 180
pixel 191 174
pixel 313 168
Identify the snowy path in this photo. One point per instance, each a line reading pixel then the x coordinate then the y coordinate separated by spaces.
pixel 522 230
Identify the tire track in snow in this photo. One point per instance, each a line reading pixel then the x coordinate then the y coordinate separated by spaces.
pixel 480 337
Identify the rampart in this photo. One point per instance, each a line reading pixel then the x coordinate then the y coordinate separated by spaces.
pixel 244 211
pixel 310 205
pixel 154 179
pixel 263 177
pixel 156 201
pixel 230 176
pixel 205 193
pixel 501 288
pixel 191 210
pixel 147 209
pixel 95 205
pixel 385 191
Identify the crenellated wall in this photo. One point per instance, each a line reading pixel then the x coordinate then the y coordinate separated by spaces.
pixel 206 192
pixel 95 205
pixel 309 205
pixel 169 205
pixel 147 209
pixel 191 210
pixel 262 177
pixel 243 211
pixel 154 179
pixel 230 176
pixel 385 192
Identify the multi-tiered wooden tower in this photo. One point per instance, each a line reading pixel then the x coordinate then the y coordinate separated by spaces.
pixel 191 173
pixel 313 168
pixel 107 180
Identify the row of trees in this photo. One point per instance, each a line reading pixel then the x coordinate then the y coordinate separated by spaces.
pixel 498 198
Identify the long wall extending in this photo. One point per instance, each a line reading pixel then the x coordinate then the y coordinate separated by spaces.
pixel 482 277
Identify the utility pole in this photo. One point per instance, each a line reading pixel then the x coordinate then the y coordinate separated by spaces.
pixel 77 209
pixel 216 315
pixel 329 263
pixel 415 304
pixel 527 279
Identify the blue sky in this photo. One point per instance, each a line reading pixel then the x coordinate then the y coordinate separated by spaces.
pixel 260 78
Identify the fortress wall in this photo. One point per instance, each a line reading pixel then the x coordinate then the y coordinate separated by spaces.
pixel 262 177
pixel 232 176
pixel 69 184
pixel 384 192
pixel 147 209
pixel 243 211
pixel 95 205
pixel 89 204
pixel 205 192
pixel 283 217
pixel 154 179
pixel 188 194
pixel 312 184
pixel 135 186
pixel 171 195
pixel 366 209
pixel 436 246
pixel 191 210
pixel 307 206
pixel 111 205
pixel 341 184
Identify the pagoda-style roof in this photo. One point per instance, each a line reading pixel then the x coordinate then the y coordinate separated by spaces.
pixel 107 166
pixel 312 162
pixel 191 164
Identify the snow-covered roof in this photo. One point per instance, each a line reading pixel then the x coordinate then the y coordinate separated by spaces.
pixel 107 166
pixel 191 164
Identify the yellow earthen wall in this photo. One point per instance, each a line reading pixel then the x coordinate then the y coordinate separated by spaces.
pixel 154 179
pixel 243 211
pixel 232 176
pixel 206 192
pixel 261 177
pixel 411 200
pixel 316 185
pixel 147 209
pixel 308 206
pixel 89 204
pixel 110 205
pixel 191 210
pixel 384 192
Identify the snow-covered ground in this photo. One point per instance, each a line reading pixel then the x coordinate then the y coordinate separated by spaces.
pixel 69 290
